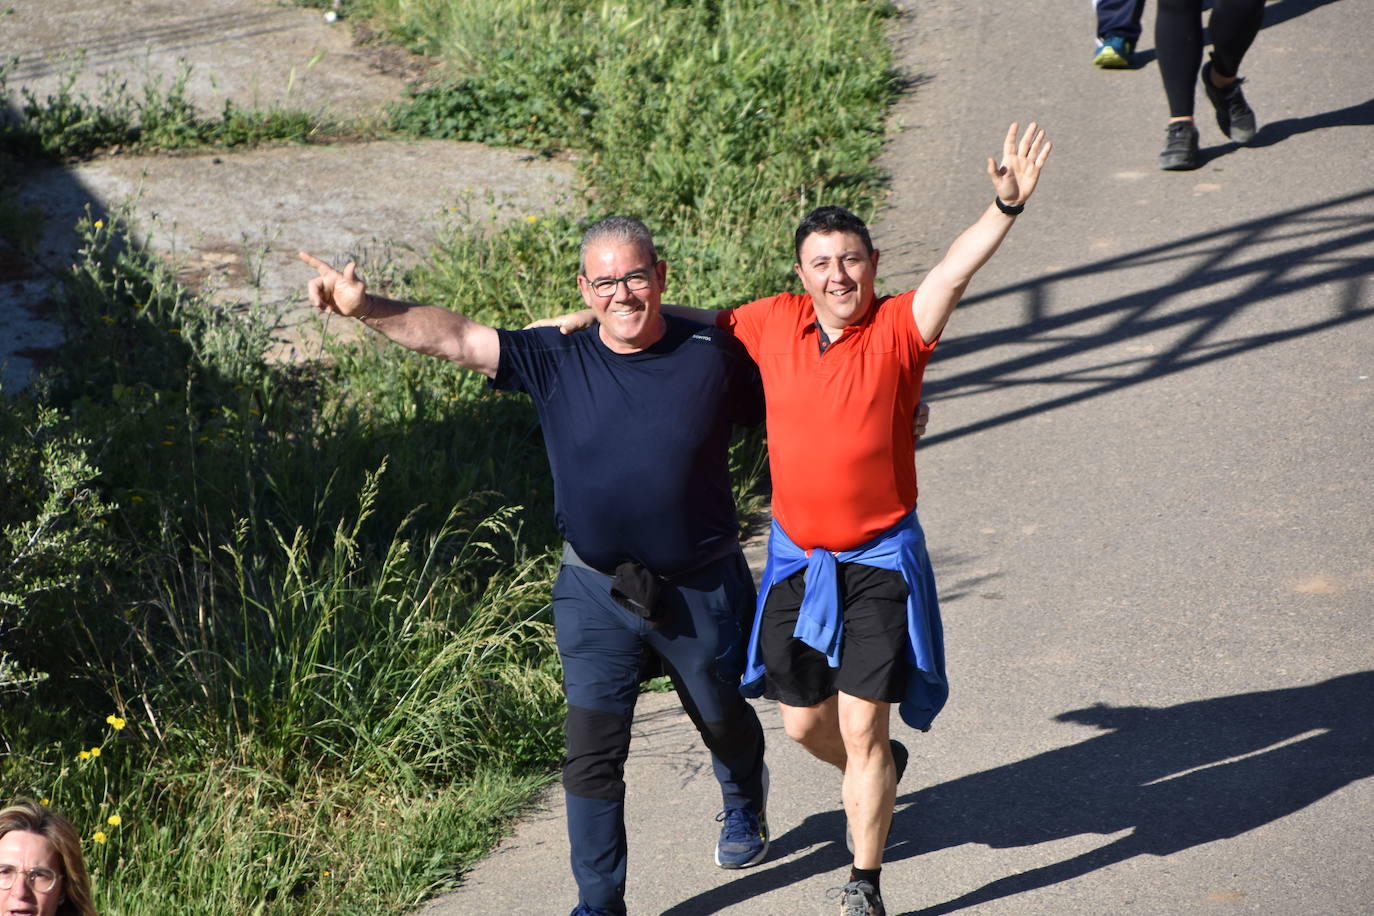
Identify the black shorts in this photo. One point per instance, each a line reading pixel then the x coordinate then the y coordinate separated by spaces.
pixel 872 652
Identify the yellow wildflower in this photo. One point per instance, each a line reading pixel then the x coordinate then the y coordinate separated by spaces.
pixel 99 836
pixel 114 820
pixel 531 219
pixel 83 755
pixel 45 802
pixel 95 752
pixel 114 721
pixel 100 224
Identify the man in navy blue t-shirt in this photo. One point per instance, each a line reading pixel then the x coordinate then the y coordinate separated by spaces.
pixel 637 419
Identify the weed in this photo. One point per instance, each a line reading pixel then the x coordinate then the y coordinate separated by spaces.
pixel 68 125
pixel 319 603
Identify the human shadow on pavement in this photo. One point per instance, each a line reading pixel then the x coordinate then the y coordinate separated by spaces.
pixel 1250 265
pixel 1360 115
pixel 1175 777
pixel 1280 12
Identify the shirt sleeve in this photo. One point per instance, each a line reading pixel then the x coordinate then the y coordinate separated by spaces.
pixel 897 310
pixel 529 361
pixel 746 322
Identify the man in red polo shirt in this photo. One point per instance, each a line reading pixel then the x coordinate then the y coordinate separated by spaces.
pixel 849 622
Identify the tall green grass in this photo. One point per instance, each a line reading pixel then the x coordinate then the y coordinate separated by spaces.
pixel 301 611
pixel 719 123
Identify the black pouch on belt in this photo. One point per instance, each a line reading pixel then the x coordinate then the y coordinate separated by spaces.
pixel 636 590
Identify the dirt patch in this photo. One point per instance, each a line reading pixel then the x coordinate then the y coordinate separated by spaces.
pixel 254 53
pixel 231 222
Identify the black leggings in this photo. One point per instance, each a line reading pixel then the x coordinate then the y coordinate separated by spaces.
pixel 1178 43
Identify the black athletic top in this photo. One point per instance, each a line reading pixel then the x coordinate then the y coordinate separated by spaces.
pixel 638 442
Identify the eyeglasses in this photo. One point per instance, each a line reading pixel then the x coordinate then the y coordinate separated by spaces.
pixel 635 282
pixel 42 880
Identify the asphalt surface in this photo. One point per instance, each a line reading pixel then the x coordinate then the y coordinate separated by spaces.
pixel 1149 494
pixel 1147 485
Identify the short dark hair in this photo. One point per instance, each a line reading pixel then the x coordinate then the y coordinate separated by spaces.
pixel 826 220
pixel 616 229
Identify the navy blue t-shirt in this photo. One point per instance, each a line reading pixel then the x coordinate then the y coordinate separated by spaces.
pixel 638 442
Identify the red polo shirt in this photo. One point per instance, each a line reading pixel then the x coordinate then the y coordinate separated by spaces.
pixel 840 445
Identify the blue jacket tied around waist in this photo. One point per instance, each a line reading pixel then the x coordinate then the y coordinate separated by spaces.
pixel 820 623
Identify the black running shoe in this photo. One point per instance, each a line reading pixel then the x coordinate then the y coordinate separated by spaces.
pixel 859 898
pixel 1180 148
pixel 1235 117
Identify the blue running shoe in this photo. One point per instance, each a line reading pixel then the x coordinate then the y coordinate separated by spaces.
pixel 743 834
pixel 1113 53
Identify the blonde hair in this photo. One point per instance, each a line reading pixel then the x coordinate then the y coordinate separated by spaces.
pixel 31 817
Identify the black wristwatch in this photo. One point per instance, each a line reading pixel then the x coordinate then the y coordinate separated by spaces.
pixel 1008 209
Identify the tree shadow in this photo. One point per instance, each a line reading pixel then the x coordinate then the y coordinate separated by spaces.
pixel 1175 777
pixel 1251 265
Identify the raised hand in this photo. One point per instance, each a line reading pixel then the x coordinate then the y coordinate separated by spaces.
pixel 344 293
pixel 1022 160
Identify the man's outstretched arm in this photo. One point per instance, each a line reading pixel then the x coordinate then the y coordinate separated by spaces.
pixel 1013 182
pixel 423 328
pixel 572 322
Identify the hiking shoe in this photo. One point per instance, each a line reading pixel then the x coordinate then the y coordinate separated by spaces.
pixel 584 910
pixel 859 898
pixel 1235 117
pixel 900 755
pixel 1113 53
pixel 1180 147
pixel 743 834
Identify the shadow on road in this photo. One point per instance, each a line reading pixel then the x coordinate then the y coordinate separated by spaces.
pixel 1252 265
pixel 1176 777
pixel 37 245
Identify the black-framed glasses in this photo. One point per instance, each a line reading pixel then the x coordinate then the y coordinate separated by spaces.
pixel 636 282
pixel 41 879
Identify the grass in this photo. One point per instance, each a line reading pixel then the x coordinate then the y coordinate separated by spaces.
pixel 69 125
pixel 315 598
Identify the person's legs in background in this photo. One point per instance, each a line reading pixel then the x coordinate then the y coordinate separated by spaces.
pixel 1118 32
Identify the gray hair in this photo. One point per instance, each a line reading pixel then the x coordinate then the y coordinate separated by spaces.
pixel 623 229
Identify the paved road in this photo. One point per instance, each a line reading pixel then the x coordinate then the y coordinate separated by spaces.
pixel 1149 495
